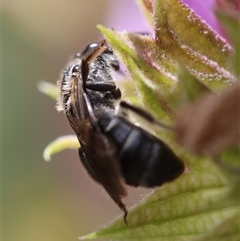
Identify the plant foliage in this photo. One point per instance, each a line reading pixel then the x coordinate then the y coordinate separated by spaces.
pixel 182 75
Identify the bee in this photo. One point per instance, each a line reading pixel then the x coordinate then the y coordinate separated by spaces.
pixel 114 151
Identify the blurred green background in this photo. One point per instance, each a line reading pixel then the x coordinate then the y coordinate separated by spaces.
pixel 56 200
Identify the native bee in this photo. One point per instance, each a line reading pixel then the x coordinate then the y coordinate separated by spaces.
pixel 114 151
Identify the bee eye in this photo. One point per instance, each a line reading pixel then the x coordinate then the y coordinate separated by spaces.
pixel 76 69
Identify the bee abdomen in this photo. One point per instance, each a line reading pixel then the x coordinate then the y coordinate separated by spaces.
pixel 144 159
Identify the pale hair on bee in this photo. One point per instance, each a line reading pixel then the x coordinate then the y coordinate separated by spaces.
pixel 64 86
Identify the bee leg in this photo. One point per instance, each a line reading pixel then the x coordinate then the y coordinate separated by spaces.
pixel 116 94
pixel 123 106
pixel 123 208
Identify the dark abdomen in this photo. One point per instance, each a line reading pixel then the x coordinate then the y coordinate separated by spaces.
pixel 144 159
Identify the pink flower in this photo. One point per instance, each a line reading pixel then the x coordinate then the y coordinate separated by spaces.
pixel 126 15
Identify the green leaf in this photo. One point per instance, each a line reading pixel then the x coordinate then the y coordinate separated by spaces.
pixel 232 23
pixel 48 89
pixel 230 160
pixel 180 210
pixel 60 144
pixel 150 93
pixel 152 79
pixel 227 230
pixel 148 56
pixel 187 90
pixel 189 40
pixel 206 58
pixel 179 24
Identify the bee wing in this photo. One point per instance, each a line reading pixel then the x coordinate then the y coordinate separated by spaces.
pixel 101 157
pixel 99 153
pixel 98 156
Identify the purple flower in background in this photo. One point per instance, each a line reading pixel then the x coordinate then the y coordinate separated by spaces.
pixel 128 16
pixel 205 9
